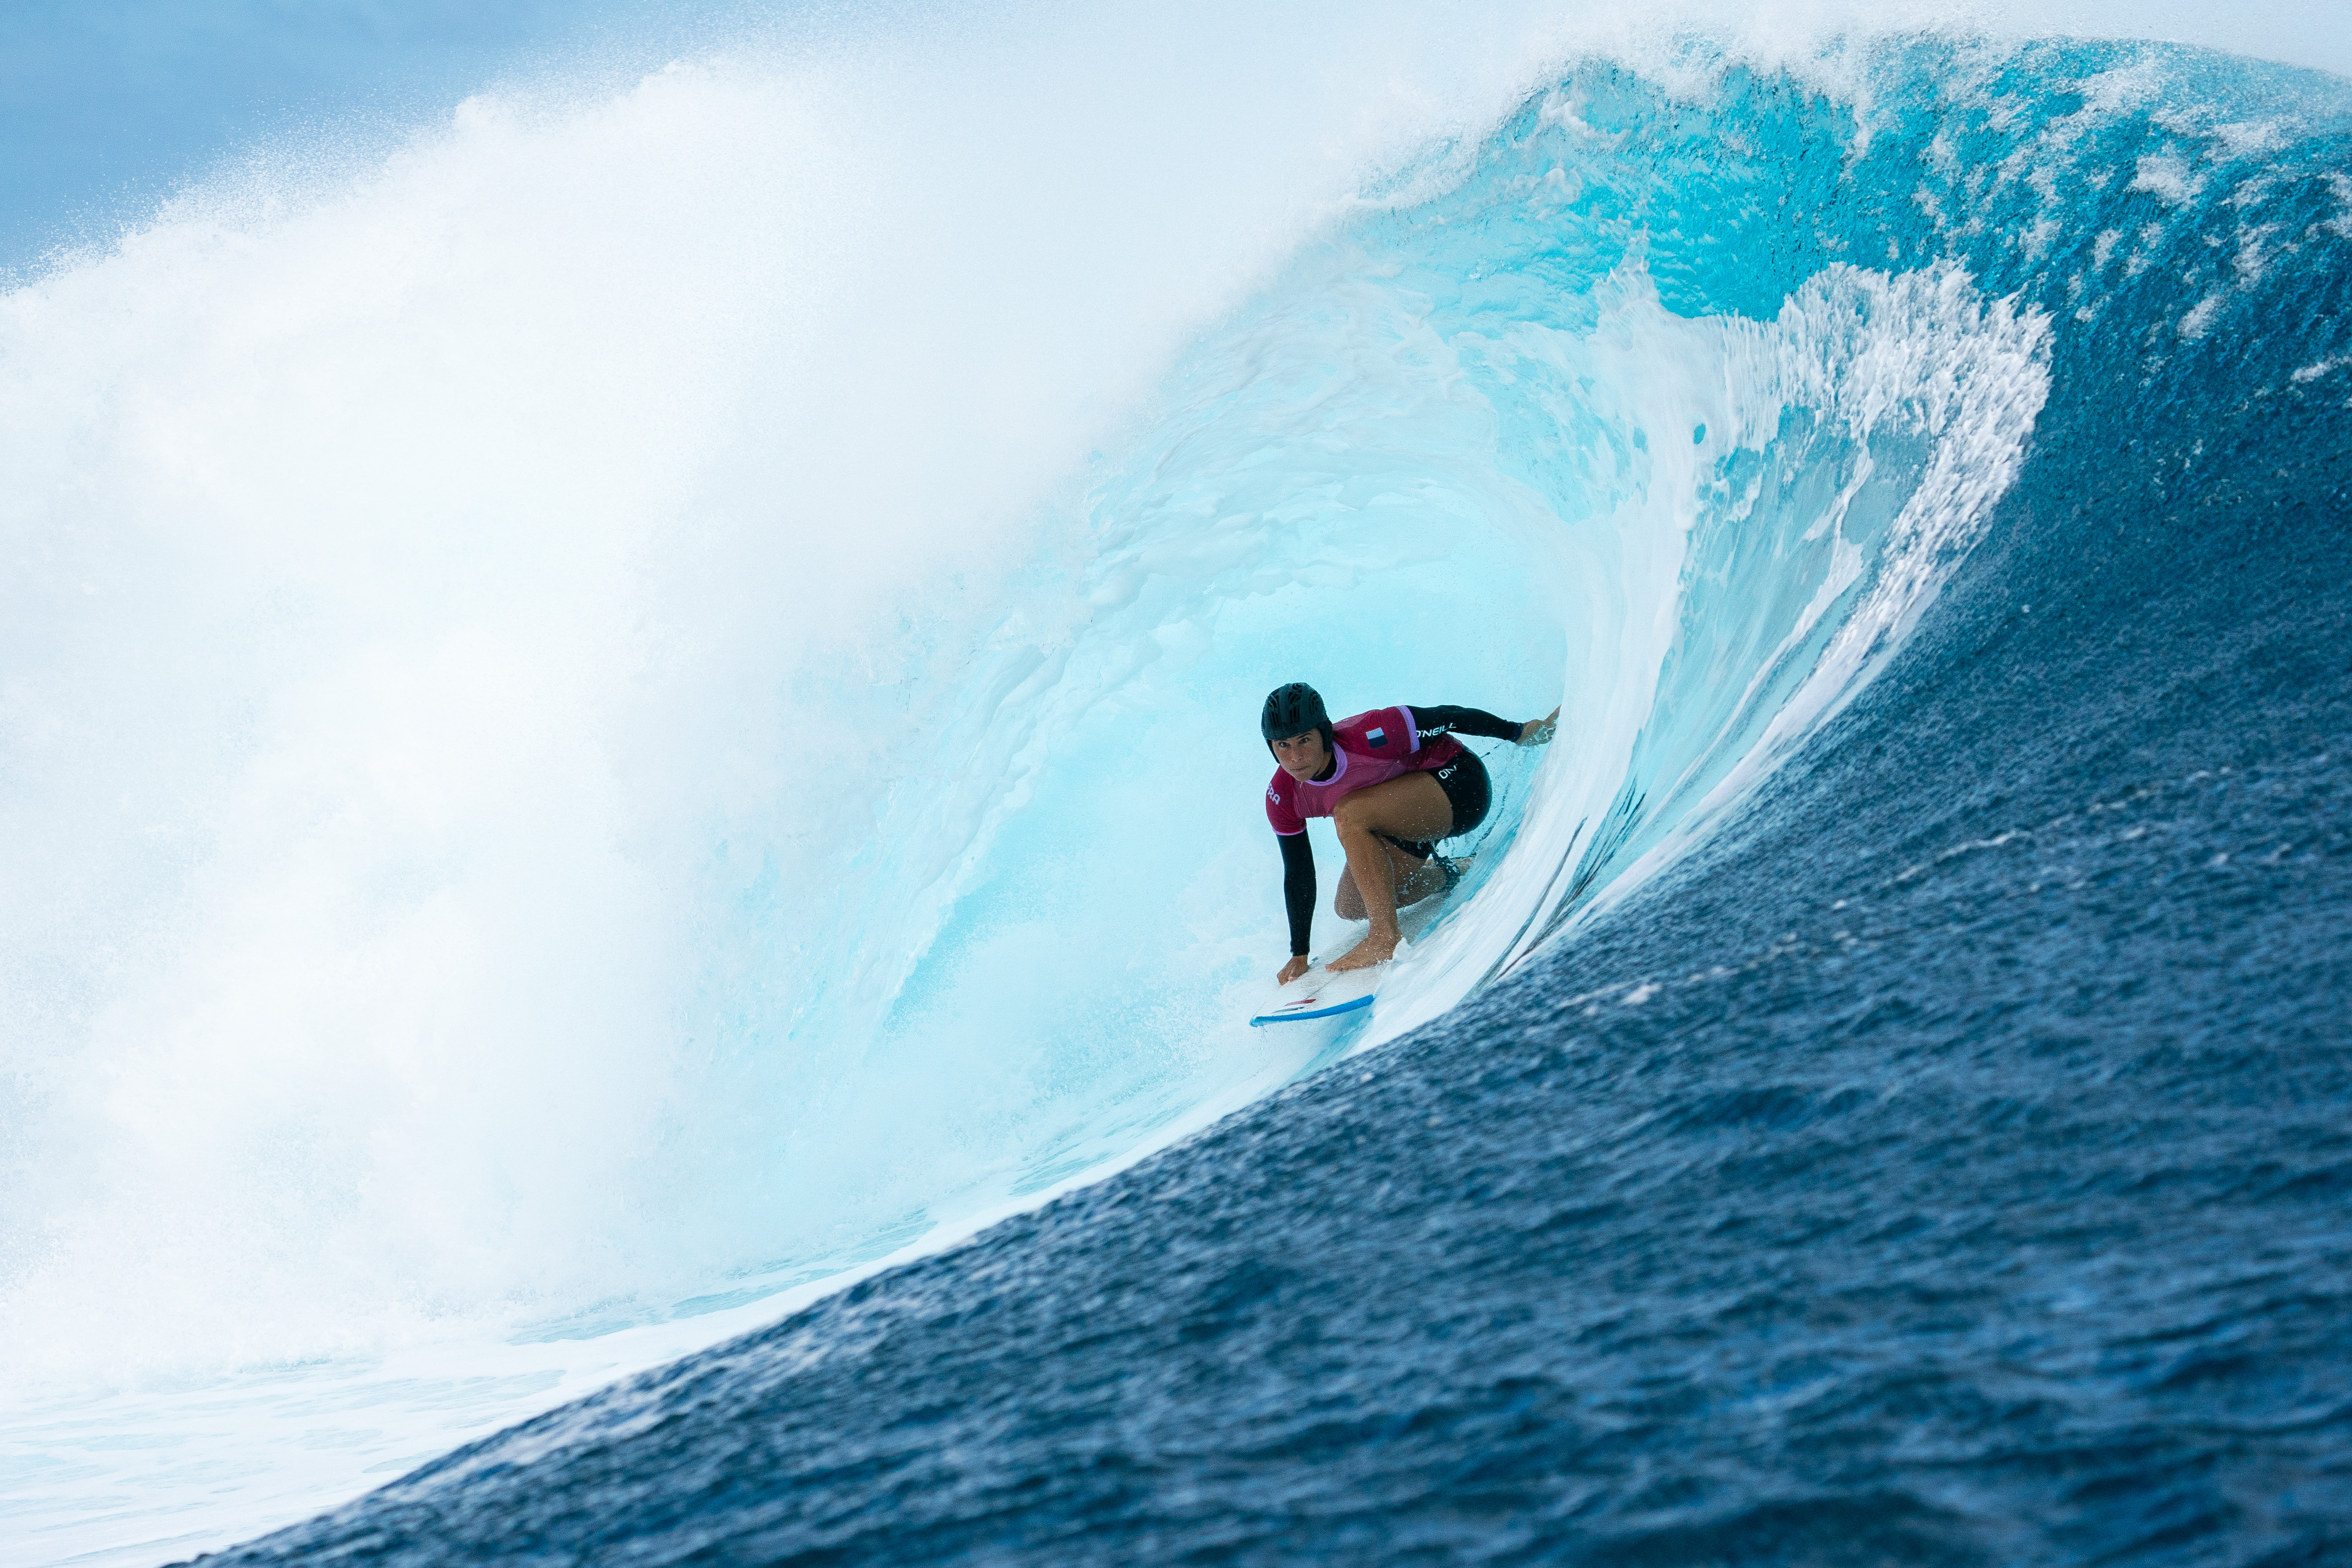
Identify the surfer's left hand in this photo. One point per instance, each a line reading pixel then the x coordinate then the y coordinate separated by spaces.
pixel 1292 970
pixel 1539 731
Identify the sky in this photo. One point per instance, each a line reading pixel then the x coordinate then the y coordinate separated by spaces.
pixel 107 105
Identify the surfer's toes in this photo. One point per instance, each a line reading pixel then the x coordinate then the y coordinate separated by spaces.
pixel 1363 956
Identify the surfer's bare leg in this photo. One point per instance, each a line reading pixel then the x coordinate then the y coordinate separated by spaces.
pixel 1416 879
pixel 1413 806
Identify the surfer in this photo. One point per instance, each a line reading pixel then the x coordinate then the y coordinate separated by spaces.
pixel 1395 781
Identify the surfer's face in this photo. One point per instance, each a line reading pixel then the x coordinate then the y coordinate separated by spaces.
pixel 1302 755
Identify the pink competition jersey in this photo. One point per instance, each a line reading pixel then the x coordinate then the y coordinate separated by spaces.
pixel 1373 748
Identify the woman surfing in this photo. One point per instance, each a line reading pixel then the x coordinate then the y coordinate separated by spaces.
pixel 1394 782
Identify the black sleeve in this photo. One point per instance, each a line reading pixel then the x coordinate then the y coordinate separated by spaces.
pixel 1433 721
pixel 1298 888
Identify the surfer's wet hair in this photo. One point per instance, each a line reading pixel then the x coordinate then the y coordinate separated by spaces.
pixel 1293 710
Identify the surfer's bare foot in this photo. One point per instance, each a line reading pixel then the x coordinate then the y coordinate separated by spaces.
pixel 1377 948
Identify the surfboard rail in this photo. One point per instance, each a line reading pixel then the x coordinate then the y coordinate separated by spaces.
pixel 1300 1011
pixel 1320 994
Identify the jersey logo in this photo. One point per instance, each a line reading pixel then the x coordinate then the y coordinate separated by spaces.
pixel 1274 796
pixel 1377 736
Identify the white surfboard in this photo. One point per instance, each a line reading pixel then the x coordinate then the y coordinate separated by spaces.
pixel 1320 994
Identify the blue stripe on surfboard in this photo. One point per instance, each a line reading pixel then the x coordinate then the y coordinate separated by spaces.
pixel 1347 1007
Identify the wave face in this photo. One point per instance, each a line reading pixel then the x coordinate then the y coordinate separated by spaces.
pixel 575 859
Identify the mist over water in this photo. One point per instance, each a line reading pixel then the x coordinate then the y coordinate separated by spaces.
pixel 633 706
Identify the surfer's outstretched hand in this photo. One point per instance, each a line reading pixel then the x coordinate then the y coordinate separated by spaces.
pixel 1292 970
pixel 1539 731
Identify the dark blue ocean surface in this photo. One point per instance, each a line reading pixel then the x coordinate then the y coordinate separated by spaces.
pixel 1949 1162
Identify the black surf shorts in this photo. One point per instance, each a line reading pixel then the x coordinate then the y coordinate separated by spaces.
pixel 1464 782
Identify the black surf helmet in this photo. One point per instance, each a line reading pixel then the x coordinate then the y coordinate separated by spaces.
pixel 1292 710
